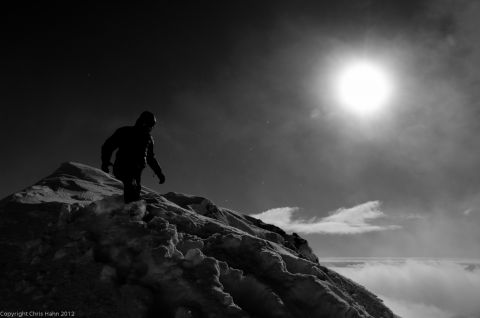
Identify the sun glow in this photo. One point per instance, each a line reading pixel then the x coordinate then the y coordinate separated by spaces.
pixel 363 87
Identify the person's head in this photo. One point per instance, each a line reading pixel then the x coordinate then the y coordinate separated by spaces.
pixel 146 121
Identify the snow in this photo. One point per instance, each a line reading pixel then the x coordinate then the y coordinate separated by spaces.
pixel 166 255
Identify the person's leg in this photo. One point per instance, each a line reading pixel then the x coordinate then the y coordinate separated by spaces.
pixel 131 183
pixel 129 190
pixel 137 181
pixel 127 180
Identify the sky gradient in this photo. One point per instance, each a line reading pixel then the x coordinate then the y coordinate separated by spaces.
pixel 246 115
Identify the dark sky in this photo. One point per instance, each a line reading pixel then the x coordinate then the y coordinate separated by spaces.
pixel 244 115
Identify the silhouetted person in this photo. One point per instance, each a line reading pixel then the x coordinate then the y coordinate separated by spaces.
pixel 135 151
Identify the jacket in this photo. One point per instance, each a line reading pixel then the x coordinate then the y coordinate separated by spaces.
pixel 135 150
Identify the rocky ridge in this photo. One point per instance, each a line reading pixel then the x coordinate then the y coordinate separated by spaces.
pixel 69 243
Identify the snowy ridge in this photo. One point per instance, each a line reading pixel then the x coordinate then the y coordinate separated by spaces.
pixel 72 244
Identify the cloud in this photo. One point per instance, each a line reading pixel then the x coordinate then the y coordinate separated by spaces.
pixel 407 309
pixel 353 220
pixel 415 288
pixel 412 216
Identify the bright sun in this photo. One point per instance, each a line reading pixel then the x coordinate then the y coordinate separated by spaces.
pixel 363 87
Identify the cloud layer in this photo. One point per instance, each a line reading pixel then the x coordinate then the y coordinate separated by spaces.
pixel 427 289
pixel 355 220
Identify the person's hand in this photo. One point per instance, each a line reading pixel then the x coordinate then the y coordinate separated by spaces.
pixel 161 178
pixel 105 167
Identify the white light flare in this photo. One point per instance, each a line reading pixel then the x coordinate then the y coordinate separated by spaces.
pixel 363 87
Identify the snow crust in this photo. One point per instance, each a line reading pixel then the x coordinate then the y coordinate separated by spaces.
pixel 71 243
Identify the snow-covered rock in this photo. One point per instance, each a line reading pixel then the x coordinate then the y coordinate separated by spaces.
pixel 69 243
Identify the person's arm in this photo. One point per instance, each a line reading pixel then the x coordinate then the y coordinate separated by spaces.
pixel 153 163
pixel 108 148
